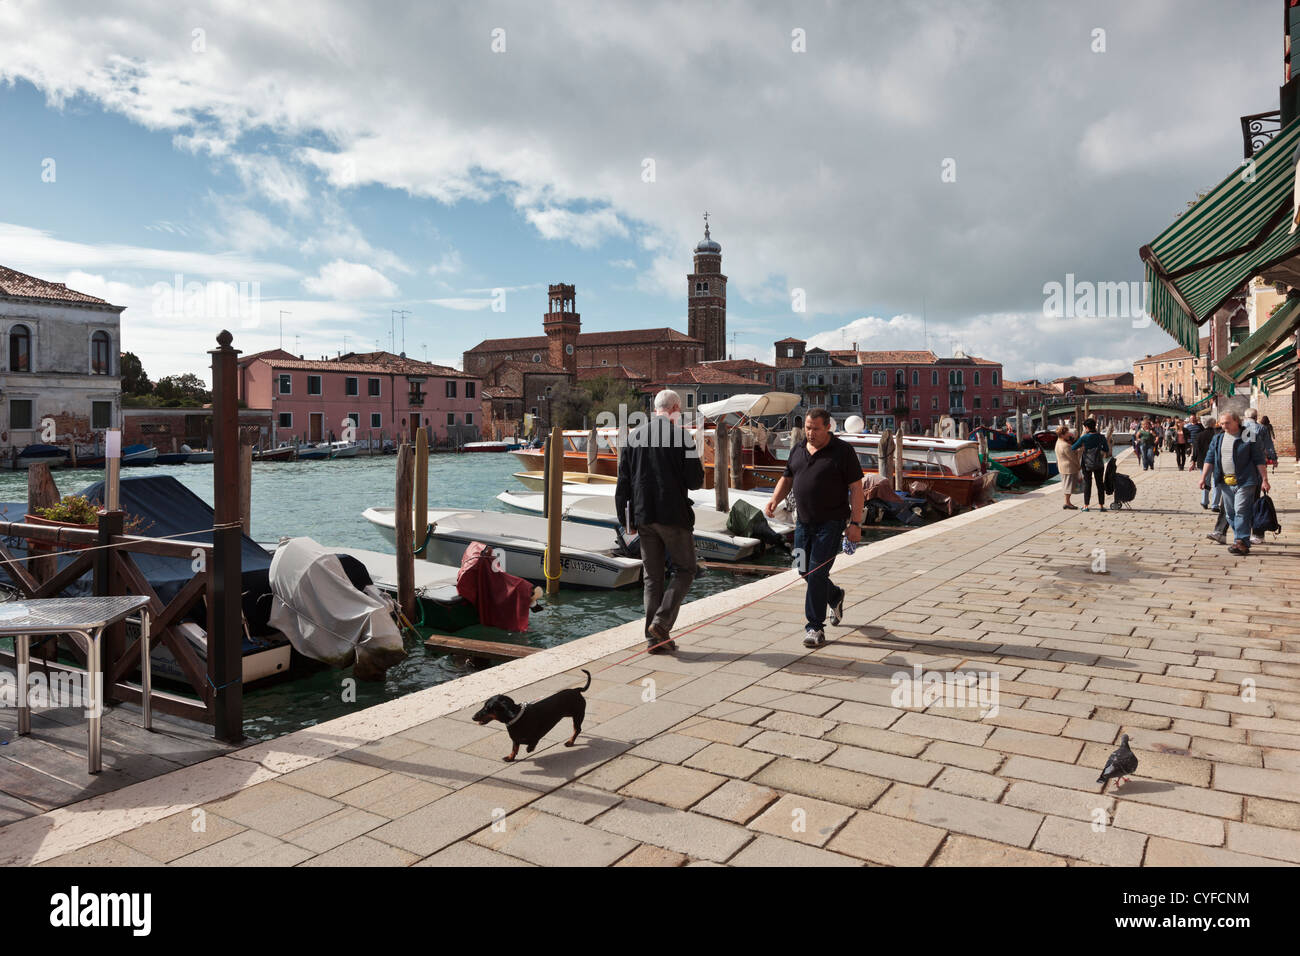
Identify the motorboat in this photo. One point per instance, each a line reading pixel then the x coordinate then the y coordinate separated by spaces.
pixel 1031 467
pixel 139 455
pixel 587 554
pixel 313 452
pixel 201 457
pixel 536 480
pixel 283 453
pixel 605 486
pixel 490 446
pixel 343 449
pixel 950 466
pixel 40 454
pixel 713 541
pixel 172 458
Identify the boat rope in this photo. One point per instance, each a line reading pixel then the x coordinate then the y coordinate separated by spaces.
pixel 649 647
pixel 101 547
pixel 546 563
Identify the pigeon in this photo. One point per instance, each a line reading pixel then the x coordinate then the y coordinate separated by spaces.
pixel 1121 763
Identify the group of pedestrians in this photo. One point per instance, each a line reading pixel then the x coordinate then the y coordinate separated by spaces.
pixel 1234 471
pixel 1082 463
pixel 660 465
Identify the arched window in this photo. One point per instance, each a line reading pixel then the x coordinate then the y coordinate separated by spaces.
pixel 20 349
pixel 100 363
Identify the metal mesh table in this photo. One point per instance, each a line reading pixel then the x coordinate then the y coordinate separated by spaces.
pixel 84 617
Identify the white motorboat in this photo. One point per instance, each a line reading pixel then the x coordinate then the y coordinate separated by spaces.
pixel 587 556
pixel 342 449
pixel 713 542
pixel 700 497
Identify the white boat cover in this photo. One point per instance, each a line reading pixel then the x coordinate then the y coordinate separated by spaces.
pixel 325 617
pixel 752 406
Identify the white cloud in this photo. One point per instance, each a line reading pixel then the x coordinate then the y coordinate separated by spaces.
pixel 586 230
pixel 349 280
pixel 462 305
pixel 449 264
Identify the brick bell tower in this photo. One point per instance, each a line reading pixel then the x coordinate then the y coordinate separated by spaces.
pixel 562 325
pixel 706 298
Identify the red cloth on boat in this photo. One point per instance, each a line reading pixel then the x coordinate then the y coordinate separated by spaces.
pixel 502 599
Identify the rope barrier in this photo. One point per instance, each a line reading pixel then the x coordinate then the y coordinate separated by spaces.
pixel 81 549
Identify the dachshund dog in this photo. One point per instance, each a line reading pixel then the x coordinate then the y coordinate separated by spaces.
pixel 529 723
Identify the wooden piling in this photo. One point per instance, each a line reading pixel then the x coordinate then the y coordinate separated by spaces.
pixel 555 511
pixel 593 464
pixel 245 483
pixel 421 523
pixel 1019 436
pixel 42 492
pixel 737 463
pixel 885 454
pixel 721 466
pixel 225 640
pixel 404 529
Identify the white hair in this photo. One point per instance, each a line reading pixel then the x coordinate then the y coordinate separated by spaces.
pixel 1252 413
pixel 667 400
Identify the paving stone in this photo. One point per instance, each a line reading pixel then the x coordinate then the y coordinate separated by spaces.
pixel 884 765
pixel 962 850
pixel 363 851
pixel 552 841
pixel 970 783
pixel 961 755
pixel 106 853
pixel 454 817
pixel 693 834
pixel 393 795
pixel 801 724
pixel 729 761
pixel 273 808
pixel 1175 824
pixel 673 786
pixel 576 802
pixel 175 836
pixel 803 819
pixel 824 783
pixel 1272 813
pixel 231 851
pixel 993 821
pixel 736 801
pixel 329 778
pixel 773 851
pixel 1052 773
pixel 789 745
pixel 867 715
pixel 721 731
pixel 335 829
pixel 1165 852
pixel 470 854
pixel 618 773
pixel 1153 765
pixel 647 855
pixel 1061 749
pixel 1109 847
pixel 887 840
pixel 943 728
pixel 1270 842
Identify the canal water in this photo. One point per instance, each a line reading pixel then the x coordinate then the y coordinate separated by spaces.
pixel 324 500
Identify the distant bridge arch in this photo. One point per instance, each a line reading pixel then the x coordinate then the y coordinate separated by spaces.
pixel 1120 406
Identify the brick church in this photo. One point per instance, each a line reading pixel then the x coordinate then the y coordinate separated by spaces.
pixel 518 374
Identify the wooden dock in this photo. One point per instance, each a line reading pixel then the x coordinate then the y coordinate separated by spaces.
pixel 47 768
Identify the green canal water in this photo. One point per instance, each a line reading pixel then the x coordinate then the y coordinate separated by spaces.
pixel 324 500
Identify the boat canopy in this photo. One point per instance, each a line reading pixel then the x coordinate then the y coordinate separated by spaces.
pixel 752 406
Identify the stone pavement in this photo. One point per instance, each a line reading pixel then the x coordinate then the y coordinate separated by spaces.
pixel 746 749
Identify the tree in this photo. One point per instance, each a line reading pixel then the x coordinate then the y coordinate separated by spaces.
pixel 608 393
pixel 569 405
pixel 182 390
pixel 134 379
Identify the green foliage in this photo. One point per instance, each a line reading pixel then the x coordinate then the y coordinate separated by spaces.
pixel 186 390
pixel 134 379
pixel 608 393
pixel 77 509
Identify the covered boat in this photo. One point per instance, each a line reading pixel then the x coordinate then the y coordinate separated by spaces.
pixel 139 455
pixel 326 617
pixel 40 454
pixel 1031 467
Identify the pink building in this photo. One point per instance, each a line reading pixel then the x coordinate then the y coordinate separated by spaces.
pixel 314 400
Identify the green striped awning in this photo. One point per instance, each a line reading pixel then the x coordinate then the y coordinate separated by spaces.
pixel 1223 386
pixel 1243 360
pixel 1202 404
pixel 1235 231
pixel 1279 359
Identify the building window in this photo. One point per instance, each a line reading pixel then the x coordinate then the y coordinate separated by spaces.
pixel 769 378
pixel 373 387
pixel 286 419
pixel 100 362
pixel 352 385
pixel 835 380
pixel 604 361
pixel 469 418
pixel 376 420
pixel 690 399
pixel 451 418
pixel 977 399
pixel 856 400
pixel 853 379
pixel 934 401
pixel 286 384
pixel 916 401
pixel 469 389
pixel 916 377
pixel 995 402
pixel 101 415
pixel 873 404
pixel 20 350
pixel 977 377
pixel 916 425
pixel 451 388
pixel 835 400
pixel 995 377
pixel 353 419
pixel 313 385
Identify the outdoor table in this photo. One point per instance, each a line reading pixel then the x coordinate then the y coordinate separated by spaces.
pixel 84 617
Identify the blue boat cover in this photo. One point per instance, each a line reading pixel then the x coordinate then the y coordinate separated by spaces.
pixel 167 508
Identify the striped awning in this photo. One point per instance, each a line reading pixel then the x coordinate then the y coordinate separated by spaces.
pixel 1241 362
pixel 1238 229
pixel 1203 404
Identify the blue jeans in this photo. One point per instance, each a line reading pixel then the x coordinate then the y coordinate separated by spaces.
pixel 1210 495
pixel 817 545
pixel 1239 509
pixel 1148 457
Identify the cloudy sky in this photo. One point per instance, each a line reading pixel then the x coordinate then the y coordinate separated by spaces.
pixel 915 168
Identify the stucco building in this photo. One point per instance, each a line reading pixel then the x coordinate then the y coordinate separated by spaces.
pixel 60 363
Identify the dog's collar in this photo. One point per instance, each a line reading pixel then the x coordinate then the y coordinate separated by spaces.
pixel 517 716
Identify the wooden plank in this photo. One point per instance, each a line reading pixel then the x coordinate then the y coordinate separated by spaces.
pixel 185 656
pixel 175 548
pixel 470 647
pixel 735 568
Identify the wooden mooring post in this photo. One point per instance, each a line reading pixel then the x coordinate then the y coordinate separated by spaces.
pixel 225 637
pixel 721 466
pixel 593 462
pixel 404 531
pixel 420 524
pixel 554 509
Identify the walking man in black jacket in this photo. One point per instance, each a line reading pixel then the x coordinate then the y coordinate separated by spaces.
pixel 656 469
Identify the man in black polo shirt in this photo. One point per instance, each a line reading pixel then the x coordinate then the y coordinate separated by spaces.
pixel 827 481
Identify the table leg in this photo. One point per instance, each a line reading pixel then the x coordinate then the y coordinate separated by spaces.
pixel 94 697
pixel 21 655
pixel 146 671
